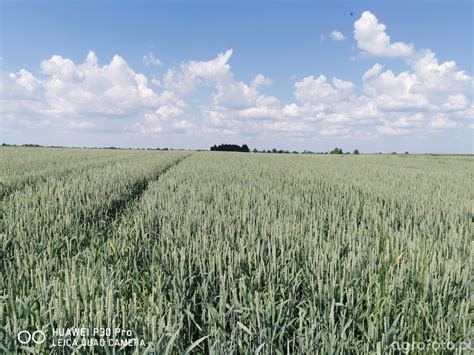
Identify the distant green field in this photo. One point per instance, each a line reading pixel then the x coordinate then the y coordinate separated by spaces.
pixel 211 252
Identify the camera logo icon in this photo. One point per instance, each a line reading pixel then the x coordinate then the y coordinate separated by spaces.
pixel 26 337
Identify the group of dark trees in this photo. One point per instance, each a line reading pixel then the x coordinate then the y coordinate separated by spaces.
pixel 230 148
pixel 339 151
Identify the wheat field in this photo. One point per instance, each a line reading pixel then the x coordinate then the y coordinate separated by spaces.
pixel 210 252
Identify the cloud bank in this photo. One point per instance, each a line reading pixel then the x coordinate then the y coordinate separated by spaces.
pixel 428 96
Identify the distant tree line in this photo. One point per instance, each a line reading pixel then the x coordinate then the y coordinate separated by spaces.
pixel 230 148
pixel 24 145
pixel 220 147
pixel 60 146
pixel 275 151
pixel 281 151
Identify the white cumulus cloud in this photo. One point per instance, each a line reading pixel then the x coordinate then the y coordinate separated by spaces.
pixel 373 40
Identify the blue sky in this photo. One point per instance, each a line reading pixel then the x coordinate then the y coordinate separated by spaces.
pixel 191 99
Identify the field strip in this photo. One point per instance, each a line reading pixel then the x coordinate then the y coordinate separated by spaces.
pixel 85 167
pixel 137 190
pixel 119 207
pixel 76 267
pixel 99 234
pixel 50 226
pixel 43 175
pixel 101 252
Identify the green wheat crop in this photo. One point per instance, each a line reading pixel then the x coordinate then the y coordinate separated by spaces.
pixel 235 253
